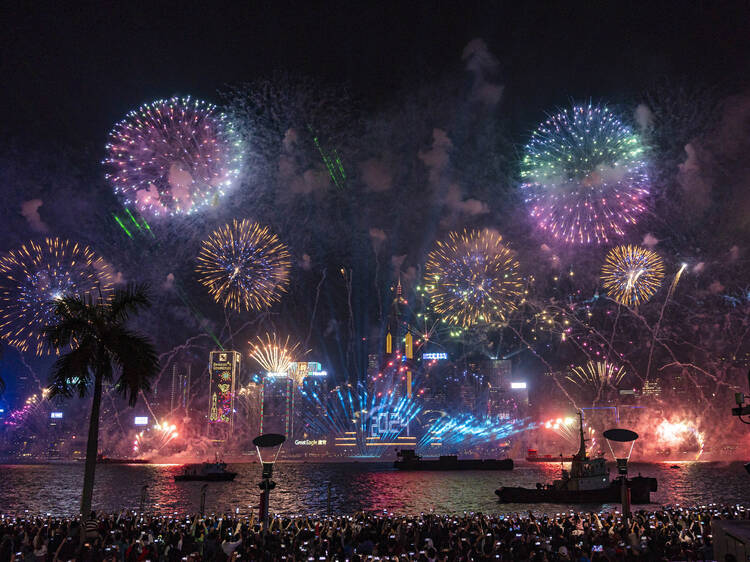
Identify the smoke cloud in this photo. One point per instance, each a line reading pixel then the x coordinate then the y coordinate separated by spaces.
pixel 484 66
pixel 644 117
pixel 436 158
pixel 650 241
pixel 471 207
pixel 376 174
pixel 30 211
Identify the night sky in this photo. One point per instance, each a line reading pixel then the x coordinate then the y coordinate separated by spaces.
pixel 69 71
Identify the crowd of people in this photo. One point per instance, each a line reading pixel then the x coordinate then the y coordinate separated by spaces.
pixel 673 533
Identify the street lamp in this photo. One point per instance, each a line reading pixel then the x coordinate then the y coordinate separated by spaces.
pixel 619 435
pixel 267 441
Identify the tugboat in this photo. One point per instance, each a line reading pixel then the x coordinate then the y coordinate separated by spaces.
pixel 586 482
pixel 207 471
pixel 410 460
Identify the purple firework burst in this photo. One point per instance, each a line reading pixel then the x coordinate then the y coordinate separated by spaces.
pixel 584 176
pixel 173 157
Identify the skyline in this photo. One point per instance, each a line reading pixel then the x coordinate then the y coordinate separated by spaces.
pixel 360 177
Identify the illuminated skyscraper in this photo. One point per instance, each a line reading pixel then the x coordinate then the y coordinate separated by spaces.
pixel 224 370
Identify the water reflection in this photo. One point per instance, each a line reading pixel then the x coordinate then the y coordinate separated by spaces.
pixel 302 488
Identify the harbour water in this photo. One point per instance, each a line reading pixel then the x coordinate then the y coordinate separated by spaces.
pixel 303 488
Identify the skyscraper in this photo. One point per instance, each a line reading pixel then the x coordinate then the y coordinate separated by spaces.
pixel 224 370
pixel 180 387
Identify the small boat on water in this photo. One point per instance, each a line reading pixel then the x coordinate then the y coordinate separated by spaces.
pixel 409 460
pixel 532 455
pixel 207 471
pixel 587 481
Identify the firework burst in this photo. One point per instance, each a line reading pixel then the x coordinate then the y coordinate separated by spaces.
pixel 584 175
pixel 472 278
pixel 272 354
pixel 244 266
pixel 631 275
pixel 597 375
pixel 154 440
pixel 680 435
pixel 173 157
pixel 35 276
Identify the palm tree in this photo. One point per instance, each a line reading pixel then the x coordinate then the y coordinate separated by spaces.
pixel 102 348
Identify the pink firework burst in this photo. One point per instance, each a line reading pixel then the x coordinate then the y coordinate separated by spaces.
pixel 173 157
pixel 584 176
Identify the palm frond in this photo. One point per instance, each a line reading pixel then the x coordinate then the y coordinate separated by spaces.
pixel 137 360
pixel 131 300
pixel 71 373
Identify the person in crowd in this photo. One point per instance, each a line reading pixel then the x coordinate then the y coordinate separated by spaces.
pixel 671 533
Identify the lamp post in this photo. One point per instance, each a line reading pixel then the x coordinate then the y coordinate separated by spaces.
pixel 267 441
pixel 619 435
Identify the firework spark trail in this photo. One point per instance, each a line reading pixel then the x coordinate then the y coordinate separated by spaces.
pixel 117 412
pixel 473 278
pixel 614 330
pixel 244 266
pixel 546 364
pixel 564 427
pixel 676 361
pixel 167 357
pixel 315 305
pixel 599 336
pixel 672 287
pixel 42 387
pixel 173 157
pixel 584 175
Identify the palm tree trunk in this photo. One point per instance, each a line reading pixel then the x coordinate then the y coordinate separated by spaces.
pixel 92 449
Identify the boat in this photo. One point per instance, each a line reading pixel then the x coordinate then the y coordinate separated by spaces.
pixel 207 472
pixel 408 459
pixel 587 481
pixel 101 459
pixel 533 456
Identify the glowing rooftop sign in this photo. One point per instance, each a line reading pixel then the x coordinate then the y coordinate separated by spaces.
pixel 56 415
pixel 518 385
pixel 440 355
pixel 140 420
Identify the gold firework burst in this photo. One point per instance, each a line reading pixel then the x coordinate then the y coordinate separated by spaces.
pixel 244 266
pixel 597 375
pixel 272 354
pixel 472 278
pixel 631 274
